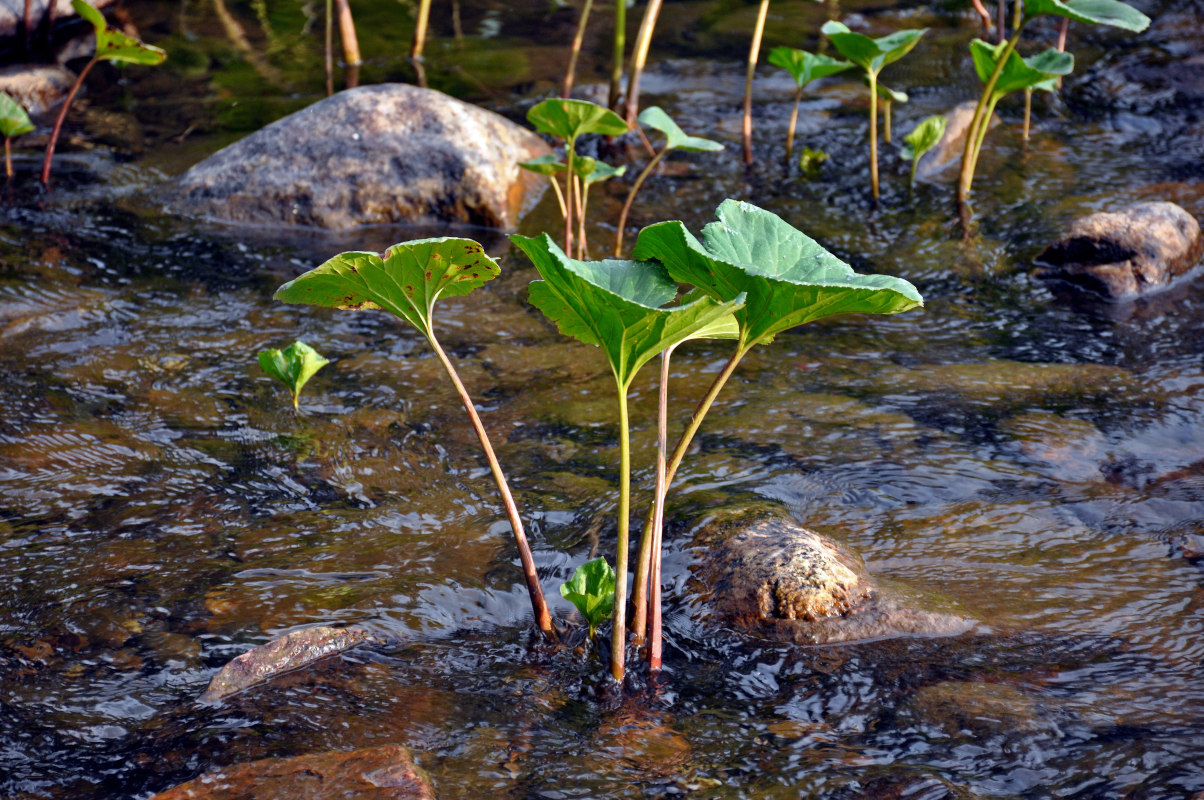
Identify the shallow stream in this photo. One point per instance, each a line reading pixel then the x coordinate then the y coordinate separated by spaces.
pixel 1032 462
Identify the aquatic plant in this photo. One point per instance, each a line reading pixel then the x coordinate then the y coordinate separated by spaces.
pixel 754 53
pixel 675 139
pixel 592 591
pixel 549 166
pixel 112 46
pixel 785 279
pixel 293 366
pixel 872 55
pixel 804 67
pixel 570 72
pixel 639 57
pixel 591 171
pixel 406 281
pixel 923 137
pixel 889 97
pixel 569 120
pixel 810 161
pixel 620 307
pixel 617 52
pixel 14 122
pixel 1095 12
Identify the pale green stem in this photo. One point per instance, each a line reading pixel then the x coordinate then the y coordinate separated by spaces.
pixel 581 242
pixel 886 120
pixel 639 57
pixel 620 47
pixel 985 127
pixel 618 646
pixel 655 644
pixel 969 153
pixel 539 605
pixel 754 52
pixel 873 131
pixel 639 181
pixel 1028 111
pixel 571 73
pixel 915 162
pixel 798 98
pixel 559 194
pixel 568 195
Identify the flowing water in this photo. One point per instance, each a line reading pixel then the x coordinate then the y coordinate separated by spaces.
pixel 1032 463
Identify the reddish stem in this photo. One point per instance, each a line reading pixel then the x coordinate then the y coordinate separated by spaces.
pixel 58 123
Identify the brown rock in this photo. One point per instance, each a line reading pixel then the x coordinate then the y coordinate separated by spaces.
pixel 1121 255
pixel 285 654
pixel 37 87
pixel 949 149
pixel 375 773
pixel 375 155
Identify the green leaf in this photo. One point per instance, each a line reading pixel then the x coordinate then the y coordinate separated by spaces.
pixel 293 366
pixel 544 165
pixel 675 138
pixel 805 67
pixel 810 161
pixel 592 591
pixel 406 282
pixel 924 137
pixel 569 119
pixel 115 46
pixel 616 305
pixel 871 54
pixel 600 171
pixel 13 119
pixel 887 93
pixel 787 278
pixel 1018 73
pixel 1097 12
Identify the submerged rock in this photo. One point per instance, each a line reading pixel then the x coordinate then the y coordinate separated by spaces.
pixel 285 654
pixel 1123 254
pixel 764 573
pixel 376 155
pixel 37 87
pixel 374 773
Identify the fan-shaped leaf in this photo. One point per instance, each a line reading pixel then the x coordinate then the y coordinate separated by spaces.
pixel 924 137
pixel 13 119
pixel 1018 73
pixel 293 366
pixel 406 282
pixel 787 277
pixel 1098 12
pixel 114 45
pixel 569 119
pixel 871 54
pixel 592 591
pixel 675 138
pixel 805 67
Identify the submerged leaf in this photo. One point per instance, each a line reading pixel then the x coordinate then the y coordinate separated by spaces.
pixel 14 121
pixel 787 277
pixel 1098 12
pixel 805 67
pixel 1018 73
pixel 675 138
pixel 569 119
pixel 871 54
pixel 616 305
pixel 592 591
pixel 406 282
pixel 293 366
pixel 924 137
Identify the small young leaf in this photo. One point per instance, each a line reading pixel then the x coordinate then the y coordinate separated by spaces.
pixel 115 46
pixel 924 137
pixel 887 93
pixel 293 366
pixel 1098 12
pixel 788 278
pixel 601 171
pixel 406 282
pixel 810 161
pixel 805 67
pixel 675 138
pixel 592 591
pixel 569 119
pixel 544 165
pixel 13 119
pixel 871 54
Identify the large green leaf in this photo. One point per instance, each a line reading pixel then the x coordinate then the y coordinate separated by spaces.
pixel 114 45
pixel 13 119
pixel 617 305
pixel 924 137
pixel 293 366
pixel 787 277
pixel 592 591
pixel 805 67
pixel 675 138
pixel 1098 12
pixel 569 119
pixel 1018 73
pixel 406 282
pixel 871 54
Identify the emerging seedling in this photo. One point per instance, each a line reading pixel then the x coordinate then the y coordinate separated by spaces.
pixel 14 122
pixel 112 46
pixel 406 282
pixel 804 67
pixel 569 120
pixel 293 366
pixel 923 138
pixel 872 55
pixel 592 591
pixel 618 306
pixel 675 139
pixel 810 161
pixel 1095 12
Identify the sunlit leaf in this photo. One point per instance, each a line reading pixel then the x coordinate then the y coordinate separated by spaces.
pixel 923 137
pixel 114 45
pixel 805 67
pixel 569 119
pixel 1018 73
pixel 786 277
pixel 293 366
pixel 871 54
pixel 13 119
pixel 592 591
pixel 544 165
pixel 675 138
pixel 591 170
pixel 406 282
pixel 1098 12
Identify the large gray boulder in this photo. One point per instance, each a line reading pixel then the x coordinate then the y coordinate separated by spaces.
pixel 376 155
pixel 763 573
pixel 1121 255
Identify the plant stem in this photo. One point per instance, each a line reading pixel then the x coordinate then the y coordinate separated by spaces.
pixel 915 162
pixel 618 645
pixel 1028 111
pixel 8 157
pixel 581 244
pixel 538 604
pixel 570 73
pixel 981 10
pixel 982 129
pixel 639 57
pixel 970 152
pixel 568 196
pixel 559 194
pixel 1001 15
pixel 873 132
pixel 754 52
pixel 631 199
pixel 329 47
pixel 643 563
pixel 420 25
pixel 616 68
pixel 886 120
pixel 58 123
pixel 798 98
pixel 351 45
pixel 655 645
